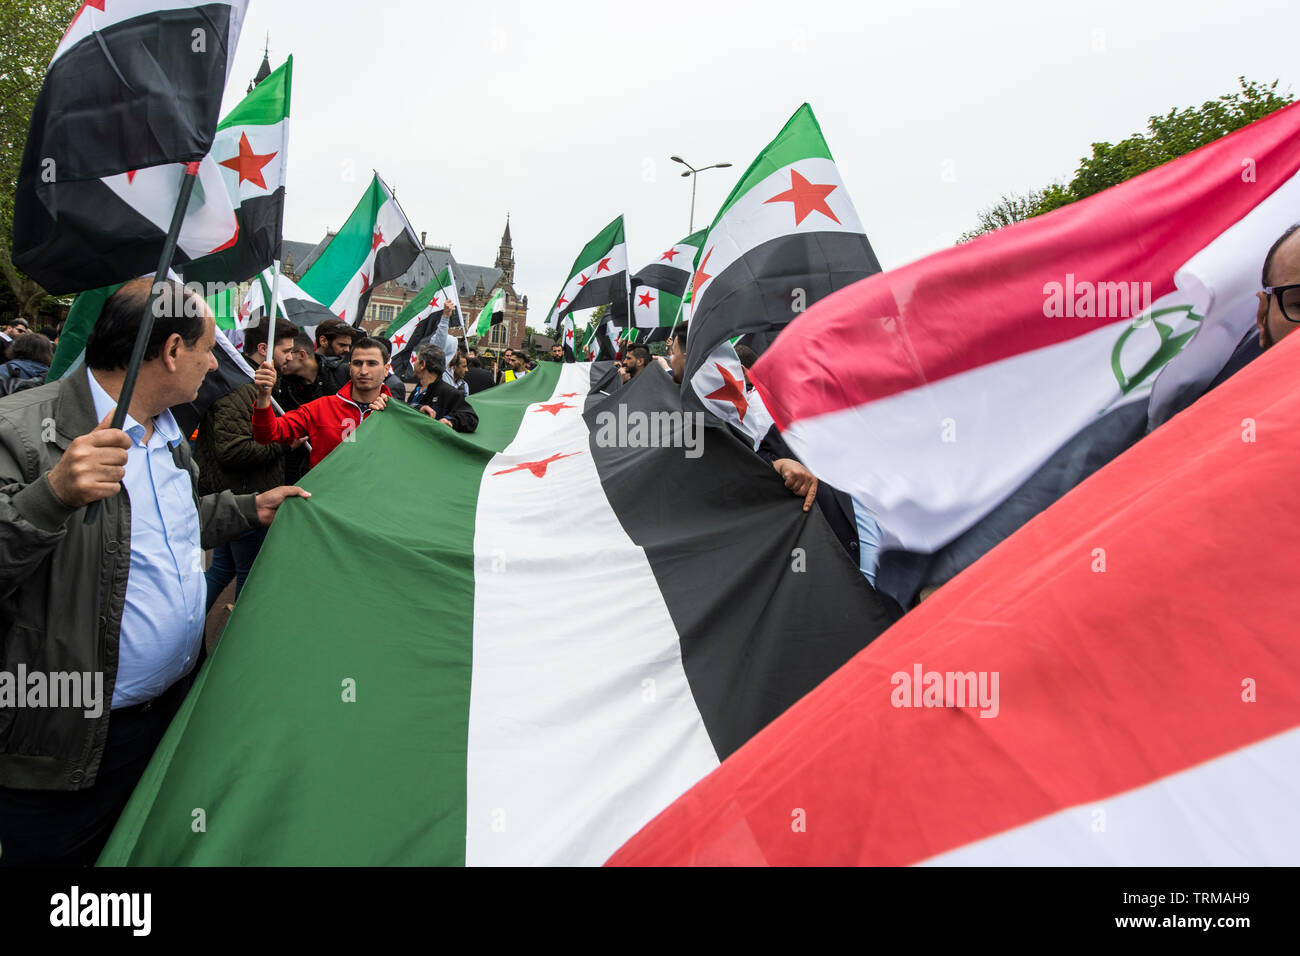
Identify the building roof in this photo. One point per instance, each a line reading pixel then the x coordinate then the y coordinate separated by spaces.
pixel 300 252
pixel 415 278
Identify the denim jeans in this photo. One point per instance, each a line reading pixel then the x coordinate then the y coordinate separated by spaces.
pixel 233 560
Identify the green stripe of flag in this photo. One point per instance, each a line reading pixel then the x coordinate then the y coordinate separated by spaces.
pixel 268 104
pixel 76 329
pixel 408 663
pixel 484 323
pixel 337 265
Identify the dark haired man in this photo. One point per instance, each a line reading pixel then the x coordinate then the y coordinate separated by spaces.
pixel 435 397
pixel 677 353
pixel 455 374
pixel 635 360
pixel 119 598
pixel 334 339
pixel 557 352
pixel 299 384
pixel 229 458
pixel 330 420
pixel 476 375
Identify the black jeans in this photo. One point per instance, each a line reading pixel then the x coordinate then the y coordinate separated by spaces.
pixel 70 827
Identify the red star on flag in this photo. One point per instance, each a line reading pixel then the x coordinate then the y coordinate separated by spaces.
pixel 377 239
pixel 807 198
pixel 732 391
pixel 538 468
pixel 434 301
pixel 554 408
pixel 130 177
pixel 569 395
pixel 669 255
pixel 701 277
pixel 568 334
pixel 560 304
pixel 399 340
pixel 365 284
pixel 604 264
pixel 248 163
pixel 583 280
pixel 645 298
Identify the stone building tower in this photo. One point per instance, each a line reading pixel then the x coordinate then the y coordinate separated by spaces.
pixel 506 259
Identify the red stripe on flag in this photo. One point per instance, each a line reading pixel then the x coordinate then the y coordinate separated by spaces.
pixel 982 302
pixel 1108 679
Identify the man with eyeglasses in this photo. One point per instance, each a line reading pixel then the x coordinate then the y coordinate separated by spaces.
pixel 1279 304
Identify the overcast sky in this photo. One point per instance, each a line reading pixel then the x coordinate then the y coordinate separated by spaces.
pixel 565 114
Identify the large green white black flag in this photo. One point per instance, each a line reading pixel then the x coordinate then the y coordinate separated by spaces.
pixel 466 727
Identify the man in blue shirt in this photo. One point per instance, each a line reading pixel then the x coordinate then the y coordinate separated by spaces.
pixel 112 606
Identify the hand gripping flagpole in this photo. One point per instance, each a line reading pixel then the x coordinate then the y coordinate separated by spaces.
pixel 146 322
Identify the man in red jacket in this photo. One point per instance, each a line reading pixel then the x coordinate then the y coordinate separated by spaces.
pixel 331 419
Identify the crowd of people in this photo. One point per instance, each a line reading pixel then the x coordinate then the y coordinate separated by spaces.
pixel 97 582
pixel 25 356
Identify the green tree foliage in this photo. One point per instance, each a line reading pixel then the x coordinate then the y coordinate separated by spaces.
pixel 29 35
pixel 1167 137
pixel 1012 207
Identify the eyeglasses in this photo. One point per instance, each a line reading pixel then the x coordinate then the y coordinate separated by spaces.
pixel 1288 300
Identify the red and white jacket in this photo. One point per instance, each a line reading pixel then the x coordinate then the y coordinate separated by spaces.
pixel 322 421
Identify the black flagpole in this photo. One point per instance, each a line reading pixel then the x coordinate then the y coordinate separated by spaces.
pixel 146 322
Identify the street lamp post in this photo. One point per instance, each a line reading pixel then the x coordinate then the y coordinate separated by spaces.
pixel 693 172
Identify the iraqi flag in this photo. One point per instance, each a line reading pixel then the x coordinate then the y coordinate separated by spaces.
pixel 979 365
pixel 467 727
pixel 131 99
pixel 787 236
pixel 1092 693
pixel 251 147
pixel 422 319
pixel 375 245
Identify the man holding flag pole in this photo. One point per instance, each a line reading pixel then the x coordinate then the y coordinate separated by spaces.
pixel 69 538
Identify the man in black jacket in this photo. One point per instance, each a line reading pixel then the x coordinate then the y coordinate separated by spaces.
pixel 477 376
pixel 440 401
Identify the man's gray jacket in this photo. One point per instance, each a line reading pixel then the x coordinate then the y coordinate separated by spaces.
pixel 63 582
